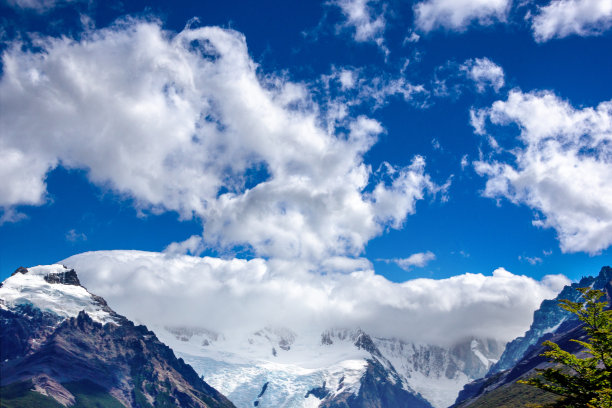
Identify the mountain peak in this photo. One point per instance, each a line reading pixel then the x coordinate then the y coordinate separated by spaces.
pixel 605 274
pixel 53 289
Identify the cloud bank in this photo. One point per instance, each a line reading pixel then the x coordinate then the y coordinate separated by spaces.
pixel 184 122
pixel 230 295
pixel 561 168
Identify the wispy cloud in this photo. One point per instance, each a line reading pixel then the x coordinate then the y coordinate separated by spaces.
pixel 74 236
pixel 418 260
pixel 366 20
pixel 479 74
pixel 532 260
pixel 39 6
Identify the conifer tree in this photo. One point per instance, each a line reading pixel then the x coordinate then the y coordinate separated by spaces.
pixel 582 382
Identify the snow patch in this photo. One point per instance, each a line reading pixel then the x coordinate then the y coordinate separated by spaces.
pixel 553 328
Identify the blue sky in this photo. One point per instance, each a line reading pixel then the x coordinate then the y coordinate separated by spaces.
pixel 386 95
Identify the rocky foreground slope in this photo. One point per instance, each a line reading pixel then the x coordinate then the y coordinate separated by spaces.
pixel 62 346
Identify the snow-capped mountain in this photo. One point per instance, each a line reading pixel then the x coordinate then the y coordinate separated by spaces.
pixel 276 367
pixel 60 344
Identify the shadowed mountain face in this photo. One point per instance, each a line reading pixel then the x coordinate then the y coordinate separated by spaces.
pixel 523 355
pixel 61 345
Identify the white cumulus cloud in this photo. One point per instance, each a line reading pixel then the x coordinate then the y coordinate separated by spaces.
pixel 457 15
pixel 227 295
pixel 561 18
pixel 183 122
pixel 561 167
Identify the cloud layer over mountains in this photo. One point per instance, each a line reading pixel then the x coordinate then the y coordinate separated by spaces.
pixel 184 120
pixel 240 295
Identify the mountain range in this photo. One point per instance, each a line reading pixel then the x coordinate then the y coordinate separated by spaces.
pixel 63 346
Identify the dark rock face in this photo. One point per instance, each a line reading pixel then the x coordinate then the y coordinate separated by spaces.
pixel 261 393
pixel 22 329
pixel 126 360
pixel 477 387
pixel 318 392
pixel 21 270
pixel 67 278
pixel 523 355
pixel 365 342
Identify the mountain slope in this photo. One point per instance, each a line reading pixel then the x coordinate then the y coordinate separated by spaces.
pixel 59 341
pixel 548 324
pixel 548 319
